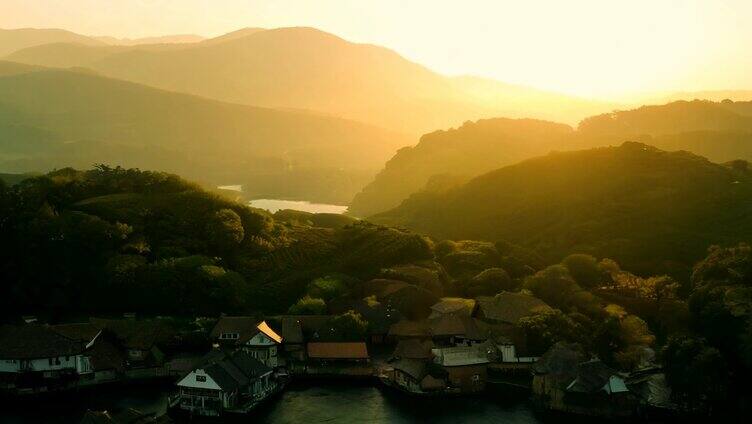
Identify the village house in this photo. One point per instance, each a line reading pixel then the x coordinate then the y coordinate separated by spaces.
pixel 507 353
pixel 506 308
pixel 142 341
pixel 564 381
pixel 654 394
pixel 453 306
pixel 33 357
pixel 224 382
pixel 256 338
pixel 455 330
pixel 416 376
pixel 406 329
pixel 466 366
pixel 413 349
pixel 108 360
pixel 290 328
pixel 338 358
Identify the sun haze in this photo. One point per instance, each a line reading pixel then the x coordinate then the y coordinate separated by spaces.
pixel 591 48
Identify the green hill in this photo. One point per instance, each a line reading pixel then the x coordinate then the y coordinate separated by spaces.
pixel 653 211
pixel 720 131
pixel 304 68
pixel 53 118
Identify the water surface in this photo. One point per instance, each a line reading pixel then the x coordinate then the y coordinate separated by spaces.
pixel 320 402
pixel 273 205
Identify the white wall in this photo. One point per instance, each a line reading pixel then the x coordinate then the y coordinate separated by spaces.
pixel 190 381
pixel 43 364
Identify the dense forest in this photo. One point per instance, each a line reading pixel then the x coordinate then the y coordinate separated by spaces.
pixel 653 211
pixel 110 240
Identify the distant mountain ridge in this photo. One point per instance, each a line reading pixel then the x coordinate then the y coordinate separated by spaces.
pixel 12 40
pixel 50 118
pixel 721 131
pixel 164 39
pixel 304 68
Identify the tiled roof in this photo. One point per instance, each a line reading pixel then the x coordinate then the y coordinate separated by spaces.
pixel 232 370
pixel 106 356
pixel 346 350
pixel 241 325
pixel 83 332
pixel 453 305
pixel 413 349
pixel 509 307
pixel 32 341
pixel 289 327
pixel 415 368
pixel 455 325
pixel 136 334
pixel 561 362
pixel 407 328
pixel 245 327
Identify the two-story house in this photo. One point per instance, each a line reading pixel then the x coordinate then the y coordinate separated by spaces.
pixel 249 335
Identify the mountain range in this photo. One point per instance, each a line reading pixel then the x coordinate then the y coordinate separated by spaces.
pixel 304 68
pixel 52 118
pixel 721 131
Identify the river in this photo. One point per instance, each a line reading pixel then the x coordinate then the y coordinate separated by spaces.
pixel 301 403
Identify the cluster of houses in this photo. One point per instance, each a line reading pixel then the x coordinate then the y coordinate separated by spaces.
pixel 37 358
pixel 464 345
pixel 453 350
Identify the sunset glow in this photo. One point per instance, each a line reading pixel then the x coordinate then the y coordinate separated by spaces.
pixel 593 48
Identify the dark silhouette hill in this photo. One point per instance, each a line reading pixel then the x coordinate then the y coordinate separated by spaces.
pixel 651 210
pixel 52 118
pixel 304 68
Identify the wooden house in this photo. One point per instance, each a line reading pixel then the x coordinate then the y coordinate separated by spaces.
pixel 224 382
pixel 256 338
pixel 564 381
pixel 466 366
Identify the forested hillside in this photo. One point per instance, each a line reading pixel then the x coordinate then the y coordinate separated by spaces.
pixel 720 131
pixel 653 211
pixel 110 240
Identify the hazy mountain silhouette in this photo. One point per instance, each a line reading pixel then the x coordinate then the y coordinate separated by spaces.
pixel 720 131
pixel 53 118
pixel 304 68
pixel 472 149
pixel 633 203
pixel 164 39
pixel 12 40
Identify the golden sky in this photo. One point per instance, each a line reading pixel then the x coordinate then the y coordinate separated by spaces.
pixel 596 48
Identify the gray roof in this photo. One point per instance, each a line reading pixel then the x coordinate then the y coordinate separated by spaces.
pixel 508 307
pixel 30 341
pixel 232 371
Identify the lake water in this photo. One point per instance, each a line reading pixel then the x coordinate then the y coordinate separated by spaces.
pixel 273 205
pixel 300 403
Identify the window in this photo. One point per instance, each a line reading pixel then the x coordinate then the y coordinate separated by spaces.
pixel 476 378
pixel 201 378
pixel 229 336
